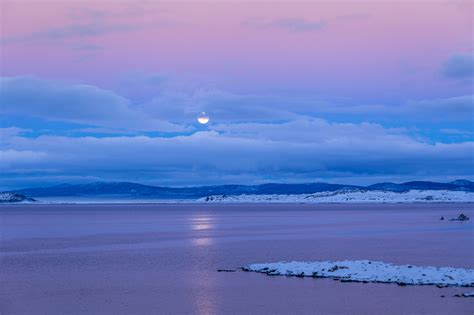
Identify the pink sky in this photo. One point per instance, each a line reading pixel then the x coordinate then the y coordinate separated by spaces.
pixel 394 47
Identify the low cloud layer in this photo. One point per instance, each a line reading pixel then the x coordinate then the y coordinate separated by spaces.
pixel 249 153
pixel 78 103
pixel 251 138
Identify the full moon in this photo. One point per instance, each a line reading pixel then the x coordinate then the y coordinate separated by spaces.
pixel 203 118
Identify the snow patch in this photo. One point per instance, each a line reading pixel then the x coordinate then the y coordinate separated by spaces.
pixel 369 271
pixel 8 197
pixel 351 196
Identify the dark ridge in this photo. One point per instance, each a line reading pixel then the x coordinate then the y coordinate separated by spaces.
pixel 126 189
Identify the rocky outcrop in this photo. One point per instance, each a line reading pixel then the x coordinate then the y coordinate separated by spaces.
pixel 461 217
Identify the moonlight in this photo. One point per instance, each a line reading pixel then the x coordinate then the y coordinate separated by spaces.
pixel 203 118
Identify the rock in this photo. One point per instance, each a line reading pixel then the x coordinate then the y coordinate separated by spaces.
pixel 461 217
pixel 466 294
pixel 442 218
pixel 226 270
pixel 272 272
pixel 336 267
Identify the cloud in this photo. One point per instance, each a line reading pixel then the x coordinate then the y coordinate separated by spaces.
pixel 78 103
pixel 299 24
pixel 225 106
pixel 248 153
pixel 313 131
pixel 293 24
pixel 11 132
pixel 21 158
pixel 70 31
pixel 458 132
pixel 85 23
pixel 459 66
pixel 175 108
pixel 252 138
pixel 460 108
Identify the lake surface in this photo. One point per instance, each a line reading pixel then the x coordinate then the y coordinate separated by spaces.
pixel 163 258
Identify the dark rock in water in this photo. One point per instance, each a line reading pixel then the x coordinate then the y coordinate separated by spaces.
pixel 348 280
pixel 461 217
pixel 336 267
pixel 468 294
pixel 442 218
pixel 226 270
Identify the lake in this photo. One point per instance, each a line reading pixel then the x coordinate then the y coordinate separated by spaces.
pixel 163 258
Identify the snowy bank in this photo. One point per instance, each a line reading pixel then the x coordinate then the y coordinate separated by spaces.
pixel 350 196
pixel 9 197
pixel 369 271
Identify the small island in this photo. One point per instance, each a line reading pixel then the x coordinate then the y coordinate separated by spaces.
pixel 10 197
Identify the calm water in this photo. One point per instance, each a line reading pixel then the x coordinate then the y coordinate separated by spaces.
pixel 162 259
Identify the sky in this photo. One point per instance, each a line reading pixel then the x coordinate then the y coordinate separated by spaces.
pixel 334 91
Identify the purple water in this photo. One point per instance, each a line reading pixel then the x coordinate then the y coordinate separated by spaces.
pixel 154 259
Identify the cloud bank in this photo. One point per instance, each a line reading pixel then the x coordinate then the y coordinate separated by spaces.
pixel 252 138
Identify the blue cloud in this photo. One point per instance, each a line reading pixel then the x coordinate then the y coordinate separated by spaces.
pixel 78 103
pixel 70 31
pixel 459 66
pixel 57 130
pixel 303 150
pixel 85 24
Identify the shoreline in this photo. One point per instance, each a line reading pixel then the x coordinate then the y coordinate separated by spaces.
pixel 174 202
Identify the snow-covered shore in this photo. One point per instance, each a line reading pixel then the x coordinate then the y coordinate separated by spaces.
pixel 369 271
pixel 352 196
pixel 9 197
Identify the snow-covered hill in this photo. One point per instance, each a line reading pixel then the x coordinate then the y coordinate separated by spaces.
pixel 350 196
pixel 9 197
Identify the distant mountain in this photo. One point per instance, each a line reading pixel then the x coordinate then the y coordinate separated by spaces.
pixel 125 189
pixel 468 185
pixel 139 190
pixel 457 185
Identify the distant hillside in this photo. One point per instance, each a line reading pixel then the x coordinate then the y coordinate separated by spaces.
pixel 457 185
pixel 132 189
pixel 137 190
